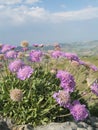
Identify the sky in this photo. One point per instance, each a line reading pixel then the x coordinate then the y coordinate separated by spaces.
pixel 48 21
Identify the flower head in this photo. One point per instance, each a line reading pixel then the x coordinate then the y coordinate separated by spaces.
pixel 53 71
pixel 93 67
pixel 15 65
pixel 35 56
pixel 56 54
pixel 20 55
pixel 75 63
pixel 41 45
pixel 71 56
pixel 5 48
pixel 62 97
pixel 67 80
pixel 24 72
pixel 78 111
pixel 25 49
pixel 35 45
pixel 16 94
pixel 11 54
pixel 24 43
pixel 94 88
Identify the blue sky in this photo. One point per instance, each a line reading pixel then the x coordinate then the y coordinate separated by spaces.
pixel 48 21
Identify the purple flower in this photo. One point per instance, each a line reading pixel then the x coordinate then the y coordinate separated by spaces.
pixel 82 62
pixel 11 54
pixel 56 54
pixel 16 65
pixel 94 88
pixel 24 72
pixel 6 48
pixel 62 97
pixel 35 45
pixel 93 67
pixel 67 80
pixel 25 49
pixel 71 56
pixel 41 45
pixel 35 56
pixel 78 111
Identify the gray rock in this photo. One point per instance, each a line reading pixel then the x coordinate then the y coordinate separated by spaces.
pixel 3 126
pixel 58 126
pixel 81 128
pixel 90 128
pixel 82 125
pixel 9 122
pixel 22 127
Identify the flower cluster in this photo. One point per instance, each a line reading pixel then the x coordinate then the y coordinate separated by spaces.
pixel 67 80
pixel 78 111
pixel 61 81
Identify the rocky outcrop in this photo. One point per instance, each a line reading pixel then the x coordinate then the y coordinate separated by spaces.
pixel 91 124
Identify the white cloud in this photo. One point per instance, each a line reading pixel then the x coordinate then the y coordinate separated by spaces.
pixel 10 2
pixel 24 14
pixel 83 14
pixel 32 1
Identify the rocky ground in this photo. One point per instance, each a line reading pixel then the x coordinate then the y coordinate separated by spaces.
pixel 90 124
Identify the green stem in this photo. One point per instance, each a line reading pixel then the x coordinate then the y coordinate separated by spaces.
pixel 64 115
pixel 49 110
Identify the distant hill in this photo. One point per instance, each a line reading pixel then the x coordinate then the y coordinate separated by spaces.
pixel 87 48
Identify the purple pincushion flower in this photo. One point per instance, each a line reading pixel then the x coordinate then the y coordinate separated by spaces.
pixel 94 88
pixel 24 72
pixel 15 65
pixel 78 111
pixel 56 54
pixel 6 47
pixel 62 97
pixel 93 67
pixel 35 56
pixel 25 49
pixel 11 54
pixel 71 56
pixel 67 80
pixel 35 45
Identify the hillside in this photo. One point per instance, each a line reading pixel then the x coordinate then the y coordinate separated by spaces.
pixel 87 48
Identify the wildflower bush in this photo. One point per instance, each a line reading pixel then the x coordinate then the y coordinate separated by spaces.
pixel 39 87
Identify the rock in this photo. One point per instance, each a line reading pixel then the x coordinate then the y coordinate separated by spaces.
pixel 82 125
pixel 9 122
pixel 90 128
pixel 81 128
pixel 58 126
pixel 3 126
pixel 22 127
